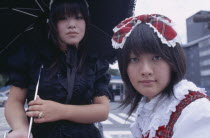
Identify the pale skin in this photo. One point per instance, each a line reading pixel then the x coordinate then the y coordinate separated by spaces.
pixel 15 113
pixel 52 111
pixel 71 28
pixel 149 74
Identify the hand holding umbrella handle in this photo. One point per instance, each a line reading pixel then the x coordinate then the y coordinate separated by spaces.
pixel 36 92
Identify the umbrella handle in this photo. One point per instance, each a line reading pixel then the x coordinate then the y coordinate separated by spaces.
pixel 5 134
pixel 36 92
pixel 30 125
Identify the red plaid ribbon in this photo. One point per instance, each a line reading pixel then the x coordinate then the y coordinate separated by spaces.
pixel 160 24
pixel 167 131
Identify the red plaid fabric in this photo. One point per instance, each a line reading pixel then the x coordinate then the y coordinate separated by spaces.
pixel 159 22
pixel 167 132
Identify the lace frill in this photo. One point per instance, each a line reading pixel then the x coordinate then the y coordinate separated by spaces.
pixel 155 113
pixel 170 43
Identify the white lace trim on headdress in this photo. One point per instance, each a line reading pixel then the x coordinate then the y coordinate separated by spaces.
pixel 117 28
pixel 171 43
pixel 120 45
pixel 155 113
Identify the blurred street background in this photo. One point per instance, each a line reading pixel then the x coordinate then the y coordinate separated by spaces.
pixel 192 20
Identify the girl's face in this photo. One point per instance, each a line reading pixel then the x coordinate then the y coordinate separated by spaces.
pixel 71 30
pixel 149 74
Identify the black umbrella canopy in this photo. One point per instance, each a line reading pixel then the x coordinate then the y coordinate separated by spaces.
pixel 105 15
pixel 20 16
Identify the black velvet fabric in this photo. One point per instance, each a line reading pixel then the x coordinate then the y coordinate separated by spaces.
pixel 24 68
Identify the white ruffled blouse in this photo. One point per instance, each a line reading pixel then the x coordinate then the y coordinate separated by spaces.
pixel 194 121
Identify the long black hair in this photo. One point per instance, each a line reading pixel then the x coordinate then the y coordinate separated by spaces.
pixel 60 9
pixel 144 40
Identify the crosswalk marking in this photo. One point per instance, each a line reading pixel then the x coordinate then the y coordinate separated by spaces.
pixel 118 119
pixel 131 118
pixel 117 134
pixel 107 122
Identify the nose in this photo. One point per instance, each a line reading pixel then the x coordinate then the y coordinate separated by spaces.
pixel 71 23
pixel 146 69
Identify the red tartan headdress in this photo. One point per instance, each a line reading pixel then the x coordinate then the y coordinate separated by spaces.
pixel 161 25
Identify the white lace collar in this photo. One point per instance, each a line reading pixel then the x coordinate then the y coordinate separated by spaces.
pixel 155 113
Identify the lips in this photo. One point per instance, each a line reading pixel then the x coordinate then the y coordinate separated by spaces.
pixel 71 33
pixel 147 83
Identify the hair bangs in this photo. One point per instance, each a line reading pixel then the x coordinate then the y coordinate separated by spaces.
pixel 60 9
pixel 143 40
pixel 69 9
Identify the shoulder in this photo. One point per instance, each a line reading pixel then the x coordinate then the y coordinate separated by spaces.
pixel 195 116
pixel 194 104
pixel 97 61
pixel 198 107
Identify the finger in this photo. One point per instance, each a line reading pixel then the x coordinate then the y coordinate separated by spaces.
pixel 35 102
pixel 34 108
pixel 33 113
pixel 39 120
pixel 38 98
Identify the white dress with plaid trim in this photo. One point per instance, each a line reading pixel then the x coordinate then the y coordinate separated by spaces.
pixel 194 121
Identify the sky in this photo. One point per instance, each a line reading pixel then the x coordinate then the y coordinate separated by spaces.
pixel 177 10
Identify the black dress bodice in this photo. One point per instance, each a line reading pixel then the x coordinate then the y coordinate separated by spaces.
pixel 91 82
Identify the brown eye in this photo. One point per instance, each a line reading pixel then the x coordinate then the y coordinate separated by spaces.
pixel 133 60
pixel 156 58
pixel 79 17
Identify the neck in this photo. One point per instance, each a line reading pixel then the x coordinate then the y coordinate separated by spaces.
pixel 65 47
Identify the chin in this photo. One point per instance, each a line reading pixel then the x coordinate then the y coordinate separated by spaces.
pixel 74 44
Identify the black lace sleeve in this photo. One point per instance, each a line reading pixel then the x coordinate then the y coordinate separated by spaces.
pixel 102 79
pixel 17 79
pixel 17 68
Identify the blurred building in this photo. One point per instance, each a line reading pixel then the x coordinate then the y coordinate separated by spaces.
pixel 198 49
pixel 116 87
pixel 198 25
